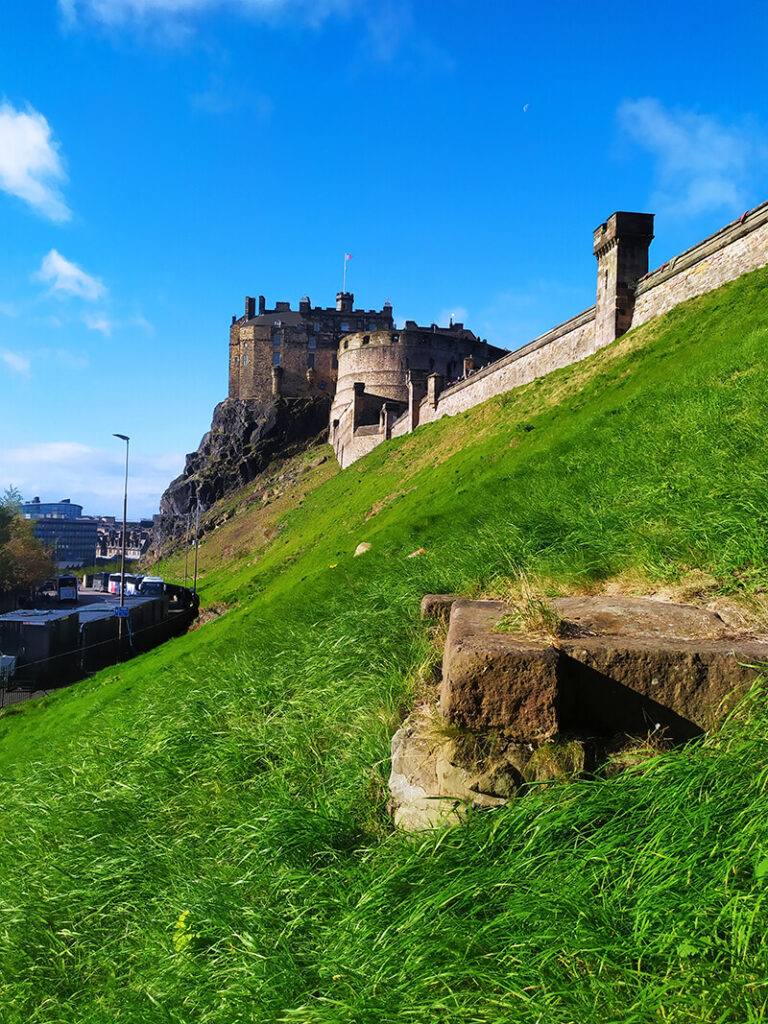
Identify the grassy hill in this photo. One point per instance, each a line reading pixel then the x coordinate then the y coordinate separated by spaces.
pixel 201 835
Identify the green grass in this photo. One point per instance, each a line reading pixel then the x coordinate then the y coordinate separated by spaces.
pixel 201 835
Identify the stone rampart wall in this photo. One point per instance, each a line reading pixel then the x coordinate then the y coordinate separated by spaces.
pixel 563 345
pixel 735 250
pixel 400 426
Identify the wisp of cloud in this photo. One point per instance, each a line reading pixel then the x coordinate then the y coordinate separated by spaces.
pixel 701 163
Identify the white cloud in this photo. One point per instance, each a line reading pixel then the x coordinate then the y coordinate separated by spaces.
pixel 144 324
pixel 92 477
pixel 701 163
pixel 222 97
pixel 67 278
pixel 30 165
pixel 15 362
pixel 106 324
pixel 99 322
pixel 119 13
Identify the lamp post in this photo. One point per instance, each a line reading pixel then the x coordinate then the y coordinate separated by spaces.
pixel 125 521
pixel 197 532
pixel 186 552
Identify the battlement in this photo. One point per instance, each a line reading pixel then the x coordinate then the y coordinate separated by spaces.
pixel 292 353
pixel 344 306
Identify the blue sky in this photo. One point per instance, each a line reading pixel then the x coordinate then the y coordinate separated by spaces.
pixel 161 159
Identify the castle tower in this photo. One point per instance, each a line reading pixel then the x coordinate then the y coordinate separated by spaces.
pixel 621 247
pixel 344 302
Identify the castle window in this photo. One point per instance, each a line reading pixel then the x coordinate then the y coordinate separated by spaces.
pixel 366 339
pixel 277 339
pixel 311 360
pixel 317 326
pixel 395 338
pixel 373 327
pixel 313 342
pixel 245 359
pixel 237 360
pixel 275 358
pixel 345 326
pixel 346 344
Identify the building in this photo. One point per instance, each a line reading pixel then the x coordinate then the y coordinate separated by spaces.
pixel 61 527
pixel 387 372
pixel 289 353
pixel 109 544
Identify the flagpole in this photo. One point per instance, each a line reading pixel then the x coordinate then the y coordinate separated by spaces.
pixel 344 285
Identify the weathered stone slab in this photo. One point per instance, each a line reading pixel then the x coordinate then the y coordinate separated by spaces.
pixel 438 606
pixel 494 680
pixel 622 665
pixel 608 615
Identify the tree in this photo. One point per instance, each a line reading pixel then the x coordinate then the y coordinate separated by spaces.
pixel 12 500
pixel 24 562
pixel 30 563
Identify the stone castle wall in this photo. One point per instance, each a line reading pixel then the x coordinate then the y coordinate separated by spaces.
pixel 565 344
pixel 623 302
pixel 735 250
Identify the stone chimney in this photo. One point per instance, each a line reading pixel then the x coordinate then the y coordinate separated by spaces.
pixel 262 304
pixel 250 307
pixel 621 247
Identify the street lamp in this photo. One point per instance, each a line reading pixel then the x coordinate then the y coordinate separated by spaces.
pixel 125 521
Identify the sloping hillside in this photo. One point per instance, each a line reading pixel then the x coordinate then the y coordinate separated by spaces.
pixel 200 835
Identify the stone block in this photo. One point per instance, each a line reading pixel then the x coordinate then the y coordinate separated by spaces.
pixel 438 606
pixel 622 665
pixel 496 680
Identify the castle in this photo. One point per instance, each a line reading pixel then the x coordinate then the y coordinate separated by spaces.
pixel 385 382
pixel 289 353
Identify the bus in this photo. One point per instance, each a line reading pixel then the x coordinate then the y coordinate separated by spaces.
pixel 66 588
pixel 62 588
pixel 131 583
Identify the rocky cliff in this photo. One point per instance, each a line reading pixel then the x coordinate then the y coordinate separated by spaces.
pixel 245 436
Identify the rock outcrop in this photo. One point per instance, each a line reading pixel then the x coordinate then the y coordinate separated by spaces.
pixel 245 436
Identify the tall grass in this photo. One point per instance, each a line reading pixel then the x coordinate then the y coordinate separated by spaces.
pixel 201 835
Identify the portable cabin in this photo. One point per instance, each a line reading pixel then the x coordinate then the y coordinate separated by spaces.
pixel 45 644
